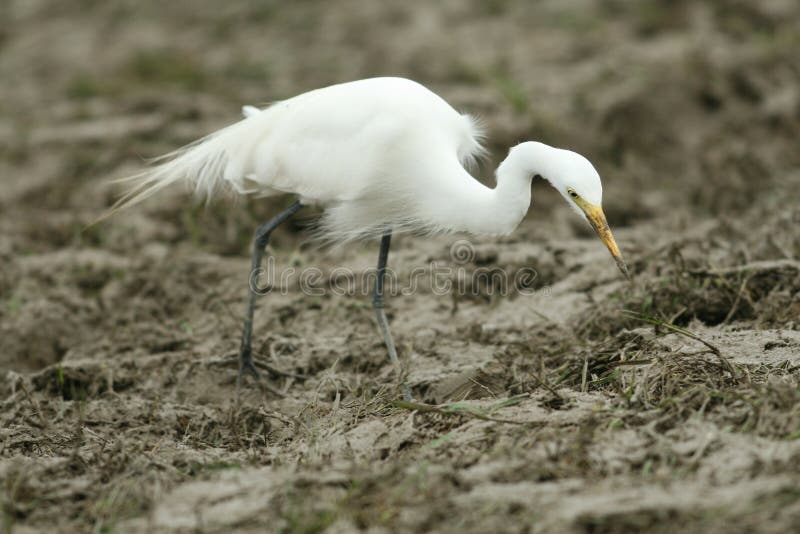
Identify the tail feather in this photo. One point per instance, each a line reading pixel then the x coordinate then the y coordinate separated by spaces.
pixel 203 164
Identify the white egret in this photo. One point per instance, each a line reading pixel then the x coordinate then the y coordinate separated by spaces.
pixel 380 155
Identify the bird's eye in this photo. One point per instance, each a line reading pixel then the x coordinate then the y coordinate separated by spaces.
pixel 572 193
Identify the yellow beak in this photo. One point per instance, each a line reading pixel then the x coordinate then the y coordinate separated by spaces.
pixel 598 221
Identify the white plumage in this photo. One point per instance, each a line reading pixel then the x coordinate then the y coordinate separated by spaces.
pixel 377 153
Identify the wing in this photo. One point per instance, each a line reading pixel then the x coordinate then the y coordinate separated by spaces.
pixel 345 141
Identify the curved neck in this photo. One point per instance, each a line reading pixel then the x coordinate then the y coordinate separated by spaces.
pixel 510 200
pixel 495 211
pixel 498 211
pixel 531 159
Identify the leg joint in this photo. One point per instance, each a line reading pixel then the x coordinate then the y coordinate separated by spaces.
pixel 261 240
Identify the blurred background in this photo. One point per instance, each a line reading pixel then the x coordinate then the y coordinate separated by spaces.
pixel 689 110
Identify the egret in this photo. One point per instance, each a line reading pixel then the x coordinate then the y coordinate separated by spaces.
pixel 381 156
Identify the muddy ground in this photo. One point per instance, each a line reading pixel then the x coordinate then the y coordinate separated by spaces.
pixel 555 408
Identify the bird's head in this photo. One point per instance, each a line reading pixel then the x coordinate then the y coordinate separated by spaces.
pixel 579 183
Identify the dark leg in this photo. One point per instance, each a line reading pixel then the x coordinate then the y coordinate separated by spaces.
pixel 377 303
pixel 259 244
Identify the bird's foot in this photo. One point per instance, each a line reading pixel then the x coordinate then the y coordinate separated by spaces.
pixel 247 367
